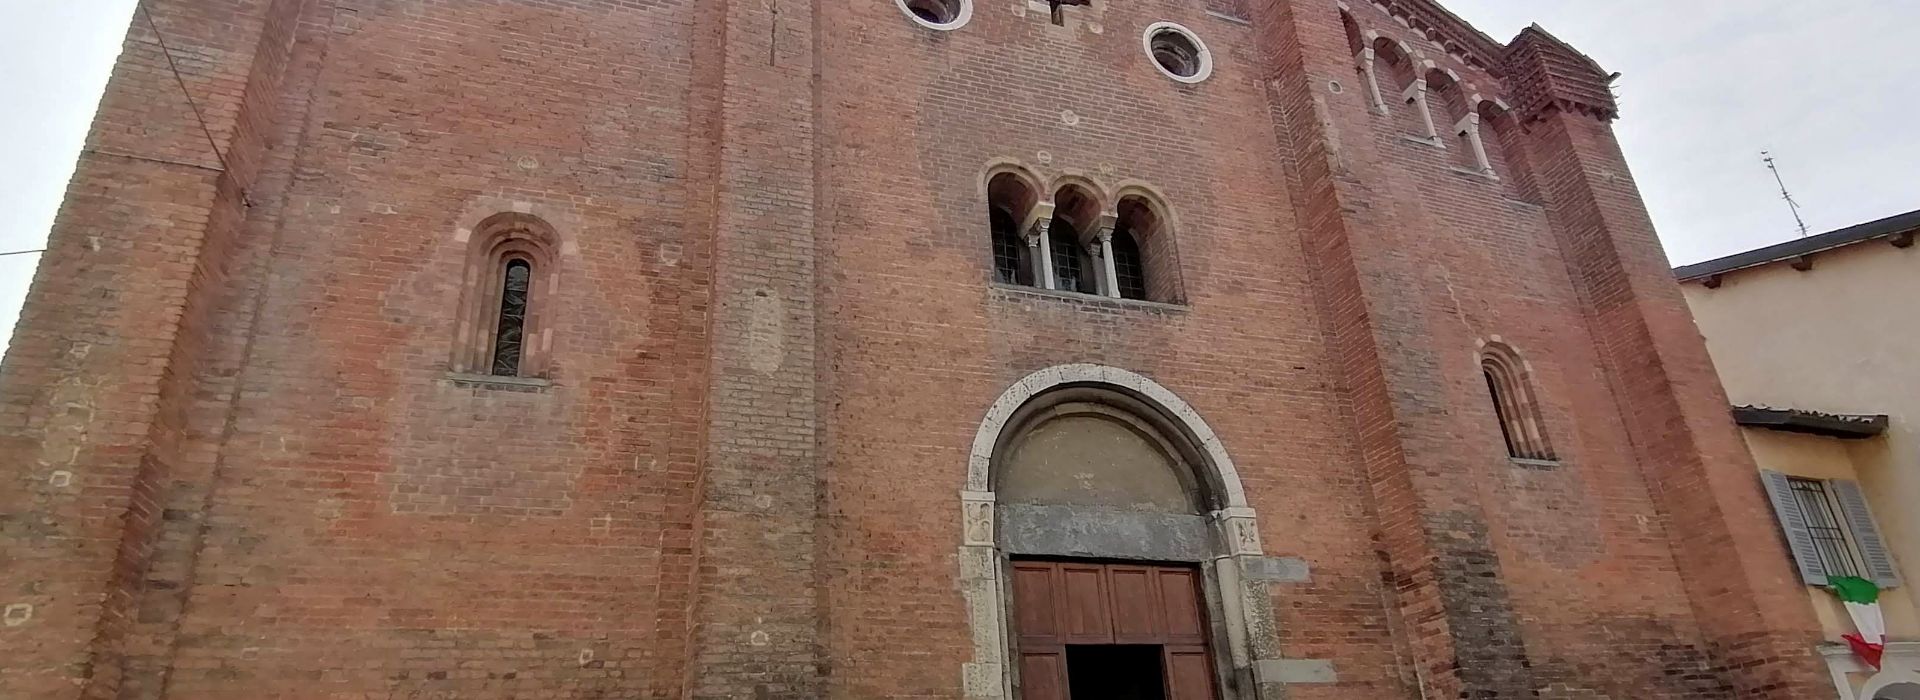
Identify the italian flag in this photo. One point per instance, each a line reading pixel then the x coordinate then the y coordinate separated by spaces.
pixel 1863 604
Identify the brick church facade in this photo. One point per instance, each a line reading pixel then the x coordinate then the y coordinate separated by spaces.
pixel 869 349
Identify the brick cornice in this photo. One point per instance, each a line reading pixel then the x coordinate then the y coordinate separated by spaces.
pixel 1544 73
pixel 1452 33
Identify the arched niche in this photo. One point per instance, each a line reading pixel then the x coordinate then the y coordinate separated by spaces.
pixel 1100 463
pixel 1892 690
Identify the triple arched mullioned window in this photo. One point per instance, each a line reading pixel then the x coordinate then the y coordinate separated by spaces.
pixel 503 328
pixel 1429 103
pixel 1069 240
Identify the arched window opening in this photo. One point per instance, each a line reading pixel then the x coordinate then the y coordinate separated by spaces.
pixel 1355 43
pixel 1010 264
pixel 509 279
pixel 1496 128
pixel 1071 269
pixel 1405 92
pixel 1011 200
pixel 1515 406
pixel 1145 255
pixel 1076 218
pixel 511 324
pixel 1129 270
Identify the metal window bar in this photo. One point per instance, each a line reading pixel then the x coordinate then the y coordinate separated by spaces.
pixel 1824 524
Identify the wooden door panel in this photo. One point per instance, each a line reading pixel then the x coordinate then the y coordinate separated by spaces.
pixel 1036 603
pixel 1088 616
pixel 1043 675
pixel 1180 596
pixel 1136 605
pixel 1189 674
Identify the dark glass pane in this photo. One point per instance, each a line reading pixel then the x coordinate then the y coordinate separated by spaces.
pixel 1008 251
pixel 509 343
pixel 1068 272
pixel 1128 270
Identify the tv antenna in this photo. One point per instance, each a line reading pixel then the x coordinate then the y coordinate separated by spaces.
pixel 1767 158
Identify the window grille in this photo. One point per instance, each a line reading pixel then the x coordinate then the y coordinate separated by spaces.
pixel 1824 524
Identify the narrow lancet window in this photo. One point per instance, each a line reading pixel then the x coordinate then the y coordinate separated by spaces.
pixel 1515 406
pixel 509 342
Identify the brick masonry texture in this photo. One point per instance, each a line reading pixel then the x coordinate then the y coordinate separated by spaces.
pixel 236 465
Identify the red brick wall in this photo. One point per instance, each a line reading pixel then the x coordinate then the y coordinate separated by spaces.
pixel 774 339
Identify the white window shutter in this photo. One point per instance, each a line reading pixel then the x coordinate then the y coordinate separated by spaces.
pixel 1873 550
pixel 1793 524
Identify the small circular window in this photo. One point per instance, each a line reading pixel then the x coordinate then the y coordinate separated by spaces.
pixel 1178 53
pixel 944 15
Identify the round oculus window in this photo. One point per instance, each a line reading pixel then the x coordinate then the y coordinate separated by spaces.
pixel 1178 53
pixel 944 15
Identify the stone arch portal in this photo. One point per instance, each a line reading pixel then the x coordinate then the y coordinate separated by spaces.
pixel 1222 540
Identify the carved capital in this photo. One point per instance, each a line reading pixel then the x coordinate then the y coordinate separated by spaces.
pixel 1239 531
pixel 1037 222
pixel 976 518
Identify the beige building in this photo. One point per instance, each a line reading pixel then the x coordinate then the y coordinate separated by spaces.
pixel 1816 342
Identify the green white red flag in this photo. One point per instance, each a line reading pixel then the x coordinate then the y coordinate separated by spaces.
pixel 1862 598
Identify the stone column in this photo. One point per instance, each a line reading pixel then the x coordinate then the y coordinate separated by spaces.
pixel 1103 250
pixel 1375 99
pixel 1469 126
pixel 1040 251
pixel 1417 94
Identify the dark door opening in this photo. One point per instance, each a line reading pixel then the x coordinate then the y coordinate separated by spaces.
pixel 1099 631
pixel 1115 672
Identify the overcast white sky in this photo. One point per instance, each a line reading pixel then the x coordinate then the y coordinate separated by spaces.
pixel 1709 84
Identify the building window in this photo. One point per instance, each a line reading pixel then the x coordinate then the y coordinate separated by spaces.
pixel 1829 533
pixel 942 15
pixel 1070 268
pixel 504 304
pixel 1178 52
pixel 1829 529
pixel 1010 264
pixel 1013 221
pixel 1129 271
pixel 1514 405
pixel 509 335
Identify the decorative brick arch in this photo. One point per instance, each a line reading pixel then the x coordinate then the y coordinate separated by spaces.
pixel 1244 648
